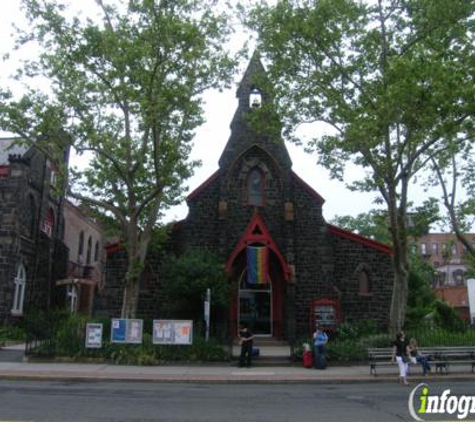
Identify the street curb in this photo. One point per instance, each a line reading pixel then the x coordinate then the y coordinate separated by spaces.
pixel 223 379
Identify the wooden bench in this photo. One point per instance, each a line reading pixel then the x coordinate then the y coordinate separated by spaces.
pixel 440 357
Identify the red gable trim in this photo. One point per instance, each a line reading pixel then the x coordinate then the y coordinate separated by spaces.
pixel 201 187
pixel 114 248
pixel 4 171
pixel 313 193
pixel 263 237
pixel 381 247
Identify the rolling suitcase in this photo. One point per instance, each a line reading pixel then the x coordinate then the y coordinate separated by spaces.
pixel 320 362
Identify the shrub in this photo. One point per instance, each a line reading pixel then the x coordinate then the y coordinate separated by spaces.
pixel 67 339
pixel 445 317
pixel 12 333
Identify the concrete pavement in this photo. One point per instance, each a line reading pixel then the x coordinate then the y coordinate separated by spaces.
pixel 207 373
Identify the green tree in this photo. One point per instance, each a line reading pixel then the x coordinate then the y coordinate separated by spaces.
pixel 421 297
pixel 127 88
pixel 186 278
pixel 372 224
pixel 388 81
pixel 450 172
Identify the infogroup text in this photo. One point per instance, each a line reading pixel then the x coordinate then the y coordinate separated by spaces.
pixel 422 404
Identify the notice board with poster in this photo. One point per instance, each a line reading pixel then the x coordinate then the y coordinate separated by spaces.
pixel 126 331
pixel 167 331
pixel 93 337
pixel 326 313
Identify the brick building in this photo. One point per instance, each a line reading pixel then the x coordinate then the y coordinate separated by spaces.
pixel 312 270
pixel 31 255
pixel 448 257
pixel 86 241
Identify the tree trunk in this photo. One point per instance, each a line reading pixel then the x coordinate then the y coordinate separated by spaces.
pixel 397 313
pixel 131 298
pixel 133 274
pixel 397 216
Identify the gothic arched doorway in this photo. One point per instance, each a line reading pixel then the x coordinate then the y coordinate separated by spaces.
pixel 255 305
pixel 260 303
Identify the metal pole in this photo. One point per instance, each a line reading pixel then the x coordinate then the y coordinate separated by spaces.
pixel 207 311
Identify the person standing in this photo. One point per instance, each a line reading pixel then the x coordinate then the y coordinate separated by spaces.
pixel 320 339
pixel 246 340
pixel 401 353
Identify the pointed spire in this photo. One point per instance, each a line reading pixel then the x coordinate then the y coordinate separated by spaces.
pixel 243 136
pixel 254 74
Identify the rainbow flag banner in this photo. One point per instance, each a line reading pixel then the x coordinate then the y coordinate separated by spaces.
pixel 257 264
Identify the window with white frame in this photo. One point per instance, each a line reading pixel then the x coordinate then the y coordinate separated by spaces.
pixel 423 249
pixel 20 286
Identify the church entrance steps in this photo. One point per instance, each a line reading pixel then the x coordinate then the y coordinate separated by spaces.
pixel 271 352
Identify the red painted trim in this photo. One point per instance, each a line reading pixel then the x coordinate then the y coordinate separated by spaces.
pixel 114 248
pixel 313 193
pixel 345 234
pixel 201 187
pixel 264 237
pixel 4 171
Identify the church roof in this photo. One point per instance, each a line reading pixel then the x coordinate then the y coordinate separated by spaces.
pixel 373 244
pixel 203 186
pixel 315 195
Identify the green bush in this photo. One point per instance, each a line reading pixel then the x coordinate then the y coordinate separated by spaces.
pixel 12 333
pixel 355 330
pixel 67 340
pixel 446 318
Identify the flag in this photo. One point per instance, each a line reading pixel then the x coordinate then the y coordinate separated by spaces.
pixel 257 263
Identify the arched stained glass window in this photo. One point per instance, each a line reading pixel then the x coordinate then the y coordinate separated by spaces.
pixel 48 225
pixel 255 187
pixel 96 252
pixel 81 248
pixel 364 287
pixel 89 251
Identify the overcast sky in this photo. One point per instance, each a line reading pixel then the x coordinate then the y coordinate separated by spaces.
pixel 211 137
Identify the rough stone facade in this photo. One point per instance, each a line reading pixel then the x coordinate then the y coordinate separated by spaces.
pixel 30 221
pixel 325 261
pixel 309 260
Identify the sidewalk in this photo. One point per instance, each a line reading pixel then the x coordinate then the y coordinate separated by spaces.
pixel 207 373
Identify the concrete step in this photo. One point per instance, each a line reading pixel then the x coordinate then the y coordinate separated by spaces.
pixel 269 361
pixel 268 351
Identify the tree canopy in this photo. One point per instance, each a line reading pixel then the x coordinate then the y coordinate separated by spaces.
pixel 127 89
pixel 389 82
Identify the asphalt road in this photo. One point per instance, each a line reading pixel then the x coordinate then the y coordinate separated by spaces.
pixel 133 402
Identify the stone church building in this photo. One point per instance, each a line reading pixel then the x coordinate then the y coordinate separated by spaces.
pixel 315 271
pixel 312 271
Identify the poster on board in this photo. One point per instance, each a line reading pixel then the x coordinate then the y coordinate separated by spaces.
pixel 93 335
pixel 134 331
pixel 118 327
pixel 126 331
pixel 166 331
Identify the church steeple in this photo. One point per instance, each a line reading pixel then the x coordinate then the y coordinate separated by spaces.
pixel 252 95
pixel 253 80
